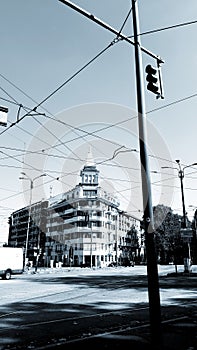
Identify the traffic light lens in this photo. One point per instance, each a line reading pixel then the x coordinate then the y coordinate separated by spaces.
pixel 150 70
pixel 151 79
pixel 152 88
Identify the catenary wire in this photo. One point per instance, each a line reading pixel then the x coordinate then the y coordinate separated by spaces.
pixel 173 102
pixel 167 28
pixel 100 53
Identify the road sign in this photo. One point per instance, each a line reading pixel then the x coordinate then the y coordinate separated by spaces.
pixel 186 234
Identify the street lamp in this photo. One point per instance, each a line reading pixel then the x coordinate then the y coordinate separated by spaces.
pixel 90 220
pixel 181 176
pixel 30 203
pixel 116 215
pixel 187 259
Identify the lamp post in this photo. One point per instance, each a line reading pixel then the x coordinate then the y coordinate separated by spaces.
pixel 91 242
pixel 181 169
pixel 91 247
pixel 181 176
pixel 116 240
pixel 116 215
pixel 30 205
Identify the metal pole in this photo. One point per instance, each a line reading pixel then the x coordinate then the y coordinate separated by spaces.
pixel 70 259
pixel 106 26
pixel 181 176
pixel 38 252
pixel 116 240
pixel 184 224
pixel 91 244
pixel 29 219
pixel 30 202
pixel 152 272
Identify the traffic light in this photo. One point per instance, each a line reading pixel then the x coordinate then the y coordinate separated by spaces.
pixel 71 252
pixel 153 80
pixel 3 115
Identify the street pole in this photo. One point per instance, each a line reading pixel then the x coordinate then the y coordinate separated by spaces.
pixel 91 244
pixel 116 236
pixel 181 176
pixel 116 239
pixel 152 272
pixel 187 251
pixel 153 284
pixel 29 216
pixel 29 219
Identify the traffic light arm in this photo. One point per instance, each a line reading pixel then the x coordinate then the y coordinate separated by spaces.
pixel 108 27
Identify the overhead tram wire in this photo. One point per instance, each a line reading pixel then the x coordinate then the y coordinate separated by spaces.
pixel 42 126
pixel 30 166
pixel 113 42
pixel 71 126
pixel 154 183
pixel 121 122
pixel 141 34
pixel 63 84
pixel 125 21
pixel 69 79
pixel 119 191
pixel 110 126
pixel 39 104
pixel 75 74
pixel 172 102
pixel 49 171
pixel 106 48
pixel 101 52
pixel 180 100
pixel 167 28
pixel 57 138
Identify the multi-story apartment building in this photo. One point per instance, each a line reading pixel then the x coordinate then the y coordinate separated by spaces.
pixel 83 227
pixel 27 229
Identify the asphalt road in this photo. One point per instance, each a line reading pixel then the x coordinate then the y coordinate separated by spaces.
pixel 97 308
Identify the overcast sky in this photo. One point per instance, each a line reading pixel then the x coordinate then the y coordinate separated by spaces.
pixel 44 44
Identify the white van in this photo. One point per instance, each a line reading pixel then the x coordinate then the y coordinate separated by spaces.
pixel 11 262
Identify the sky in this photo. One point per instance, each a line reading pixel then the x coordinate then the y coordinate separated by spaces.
pixel 67 89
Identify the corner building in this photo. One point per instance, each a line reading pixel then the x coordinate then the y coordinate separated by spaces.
pixel 82 227
pixel 85 227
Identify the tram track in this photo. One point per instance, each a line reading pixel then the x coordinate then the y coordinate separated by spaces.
pixel 83 309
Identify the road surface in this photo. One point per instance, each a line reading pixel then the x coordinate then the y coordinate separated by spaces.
pixel 55 307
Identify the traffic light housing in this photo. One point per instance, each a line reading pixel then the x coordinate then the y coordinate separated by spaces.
pixel 71 252
pixel 153 80
pixel 3 115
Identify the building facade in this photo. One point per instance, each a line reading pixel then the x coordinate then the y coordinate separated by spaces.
pixel 82 227
pixel 27 230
